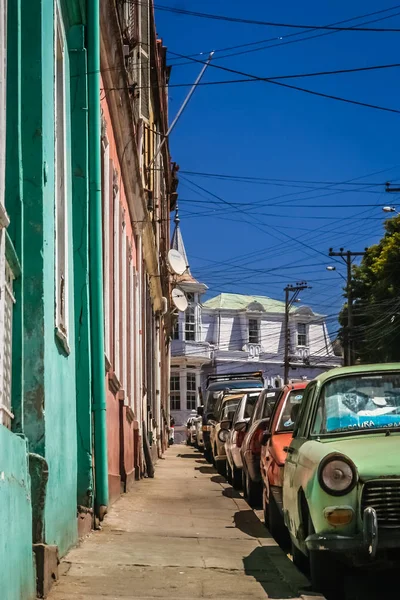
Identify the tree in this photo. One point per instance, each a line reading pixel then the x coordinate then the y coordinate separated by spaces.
pixel 376 300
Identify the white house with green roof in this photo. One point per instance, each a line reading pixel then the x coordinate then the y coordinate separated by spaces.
pixel 249 330
pixel 236 333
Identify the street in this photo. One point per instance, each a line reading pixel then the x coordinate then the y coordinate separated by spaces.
pixel 184 534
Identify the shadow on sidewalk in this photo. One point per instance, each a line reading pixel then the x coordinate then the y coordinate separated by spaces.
pixel 261 564
pixel 248 523
pixel 205 470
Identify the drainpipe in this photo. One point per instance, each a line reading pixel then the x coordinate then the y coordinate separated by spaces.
pixel 95 264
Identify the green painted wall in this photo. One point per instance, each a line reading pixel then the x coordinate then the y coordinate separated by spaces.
pixel 17 576
pixel 16 573
pixel 49 399
pixel 80 189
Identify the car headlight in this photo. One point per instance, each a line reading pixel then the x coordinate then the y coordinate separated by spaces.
pixel 337 475
pixel 223 435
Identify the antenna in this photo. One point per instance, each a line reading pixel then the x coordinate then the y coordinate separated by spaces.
pixel 176 262
pixel 179 299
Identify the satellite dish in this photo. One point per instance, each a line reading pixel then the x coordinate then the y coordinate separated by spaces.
pixel 179 299
pixel 176 262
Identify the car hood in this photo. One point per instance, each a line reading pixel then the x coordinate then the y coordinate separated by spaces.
pixel 375 455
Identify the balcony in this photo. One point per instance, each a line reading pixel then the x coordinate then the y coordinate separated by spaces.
pixel 191 349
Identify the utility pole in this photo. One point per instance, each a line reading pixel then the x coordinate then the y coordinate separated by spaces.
pixel 291 295
pixel 347 257
pixel 391 190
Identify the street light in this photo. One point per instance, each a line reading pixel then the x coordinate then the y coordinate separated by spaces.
pixel 390 209
pixel 332 268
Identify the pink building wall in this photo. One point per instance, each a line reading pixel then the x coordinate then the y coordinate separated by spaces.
pixel 120 278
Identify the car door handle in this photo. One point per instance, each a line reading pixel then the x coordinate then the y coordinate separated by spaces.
pixel 289 449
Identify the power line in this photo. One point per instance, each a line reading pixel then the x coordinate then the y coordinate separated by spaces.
pixel 295 87
pixel 292 35
pixel 213 16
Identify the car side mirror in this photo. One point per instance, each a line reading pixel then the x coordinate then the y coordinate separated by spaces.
pixel 241 426
pixel 266 436
pixel 226 424
pixel 200 411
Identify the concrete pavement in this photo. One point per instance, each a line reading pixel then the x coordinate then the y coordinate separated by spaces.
pixel 184 534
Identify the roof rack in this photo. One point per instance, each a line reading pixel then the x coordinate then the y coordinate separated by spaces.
pixel 235 376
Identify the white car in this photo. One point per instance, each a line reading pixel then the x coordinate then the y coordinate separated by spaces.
pixel 191 430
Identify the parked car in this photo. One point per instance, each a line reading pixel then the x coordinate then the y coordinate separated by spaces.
pixel 191 430
pixel 216 385
pixel 235 438
pixel 199 428
pixel 275 439
pixel 251 447
pixel 341 485
pixel 224 411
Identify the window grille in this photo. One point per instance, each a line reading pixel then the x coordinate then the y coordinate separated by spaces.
pixel 254 331
pixel 175 392
pixel 191 391
pixel 301 334
pixel 190 324
pixel 9 301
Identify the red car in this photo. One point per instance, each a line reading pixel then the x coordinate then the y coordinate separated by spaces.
pixel 273 455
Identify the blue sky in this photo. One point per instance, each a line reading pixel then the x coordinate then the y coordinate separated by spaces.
pixel 262 130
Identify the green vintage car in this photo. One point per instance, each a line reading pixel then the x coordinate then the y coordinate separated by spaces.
pixel 341 490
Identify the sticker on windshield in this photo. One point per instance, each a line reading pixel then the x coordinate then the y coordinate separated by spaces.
pixel 288 423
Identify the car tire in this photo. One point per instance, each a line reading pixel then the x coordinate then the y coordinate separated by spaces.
pixel 208 456
pixel 221 467
pixel 299 559
pixel 276 524
pixel 236 478
pixel 253 492
pixel 228 472
pixel 326 574
pixel 244 486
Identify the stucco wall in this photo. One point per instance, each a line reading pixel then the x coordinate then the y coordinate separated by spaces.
pixel 16 573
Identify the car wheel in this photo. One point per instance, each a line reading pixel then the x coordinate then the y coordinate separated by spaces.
pixel 253 492
pixel 327 574
pixel 300 559
pixel 237 478
pixel 244 485
pixel 265 507
pixel 221 467
pixel 276 524
pixel 228 472
pixel 208 456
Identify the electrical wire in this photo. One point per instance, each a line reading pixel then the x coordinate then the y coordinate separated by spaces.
pixel 294 87
pixel 242 20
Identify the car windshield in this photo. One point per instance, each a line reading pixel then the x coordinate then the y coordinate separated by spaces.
pixel 250 403
pixel 285 422
pixel 228 408
pixel 370 401
pixel 238 384
pixel 270 400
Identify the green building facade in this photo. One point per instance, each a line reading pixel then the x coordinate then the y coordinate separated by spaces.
pixel 49 287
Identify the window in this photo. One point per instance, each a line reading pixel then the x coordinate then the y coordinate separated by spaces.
pixel 61 216
pixel 175 333
pixel 6 306
pixel 190 324
pixel 106 192
pixel 175 392
pixel 301 334
pixel 254 331
pixel 191 391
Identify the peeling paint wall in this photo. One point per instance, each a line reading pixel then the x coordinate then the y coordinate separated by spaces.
pixel 16 574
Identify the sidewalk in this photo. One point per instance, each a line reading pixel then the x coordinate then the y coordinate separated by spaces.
pixel 184 534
